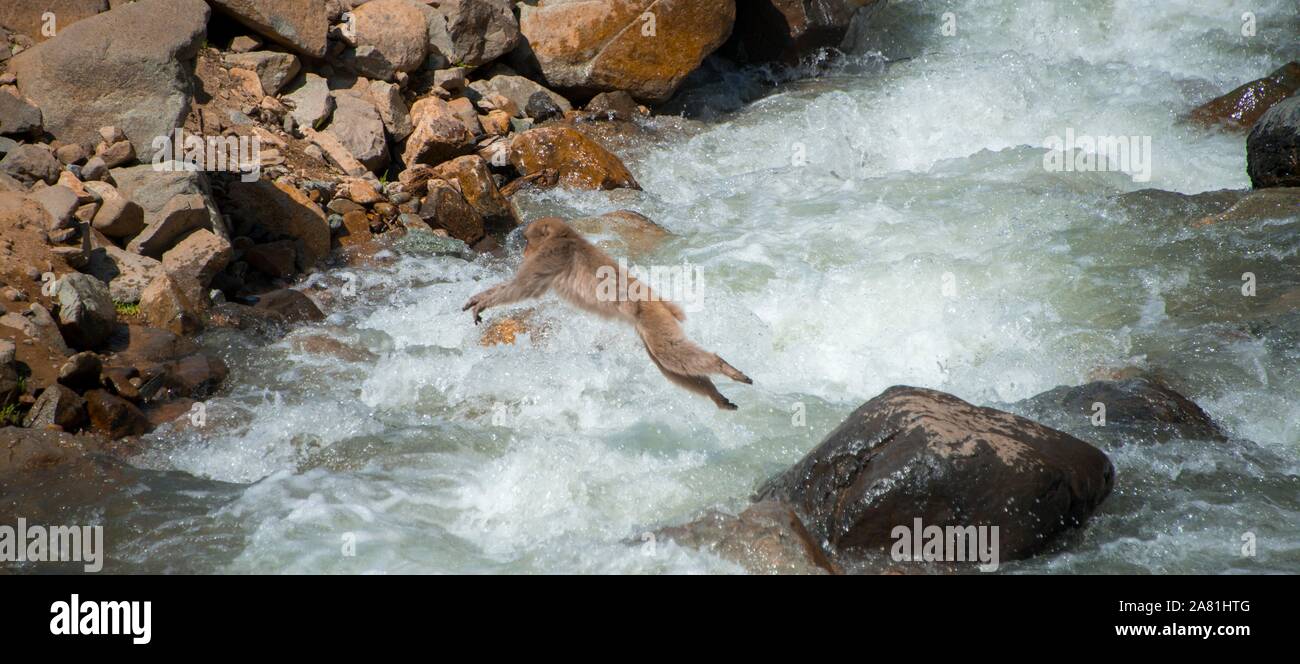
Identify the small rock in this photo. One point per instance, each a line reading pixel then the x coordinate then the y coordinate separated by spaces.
pixel 452 80
pixel 445 207
pixel 95 169
pixel 114 416
pixel 388 100
pixel 117 216
pixel 579 161
pixel 277 260
pixel 57 406
pixel 17 115
pixel 86 312
pixel 356 229
pixel 117 154
pixel 167 305
pixel 31 163
pixel 290 305
pixel 81 371
pixel 245 44
pixel 312 102
pixel 617 105
pixel 126 273
pixel 359 128
pixel 72 153
pixel 60 202
pixel 200 256
pixel 439 134
pixel 182 215
pixel 274 70
pixel 541 108
pixel 391 36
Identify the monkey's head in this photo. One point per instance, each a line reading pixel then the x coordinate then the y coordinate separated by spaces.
pixel 542 230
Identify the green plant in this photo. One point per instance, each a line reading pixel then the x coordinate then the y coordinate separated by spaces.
pixel 9 416
pixel 126 308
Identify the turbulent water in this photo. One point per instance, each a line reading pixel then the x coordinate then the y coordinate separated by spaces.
pixel 886 219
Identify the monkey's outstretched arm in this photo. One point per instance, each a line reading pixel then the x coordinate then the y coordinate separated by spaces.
pixel 532 280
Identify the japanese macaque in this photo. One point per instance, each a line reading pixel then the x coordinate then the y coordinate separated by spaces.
pixel 558 258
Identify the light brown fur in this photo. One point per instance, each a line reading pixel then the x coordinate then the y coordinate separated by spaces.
pixel 558 258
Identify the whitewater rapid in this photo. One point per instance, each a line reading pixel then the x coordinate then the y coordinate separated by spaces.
pixel 916 240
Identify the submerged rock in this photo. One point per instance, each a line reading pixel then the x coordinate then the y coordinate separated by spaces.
pixel 631 234
pixel 1241 108
pixel 767 538
pixel 1138 408
pixel 913 453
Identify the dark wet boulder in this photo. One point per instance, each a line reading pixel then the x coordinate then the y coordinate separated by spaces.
pixel 913 453
pixel 767 538
pixel 1135 409
pixel 1273 147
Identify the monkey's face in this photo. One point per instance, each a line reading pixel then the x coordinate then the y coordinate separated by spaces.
pixel 540 231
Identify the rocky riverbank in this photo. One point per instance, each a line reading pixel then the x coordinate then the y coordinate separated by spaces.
pixel 382 119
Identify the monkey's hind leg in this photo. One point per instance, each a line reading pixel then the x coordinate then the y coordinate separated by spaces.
pixel 697 384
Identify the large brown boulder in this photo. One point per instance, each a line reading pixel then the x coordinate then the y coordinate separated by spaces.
pixel 28 17
pixel 913 453
pixel 787 30
pixel 1273 147
pixel 302 25
pixel 646 47
pixel 578 161
pixel 1241 108
pixel 129 68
